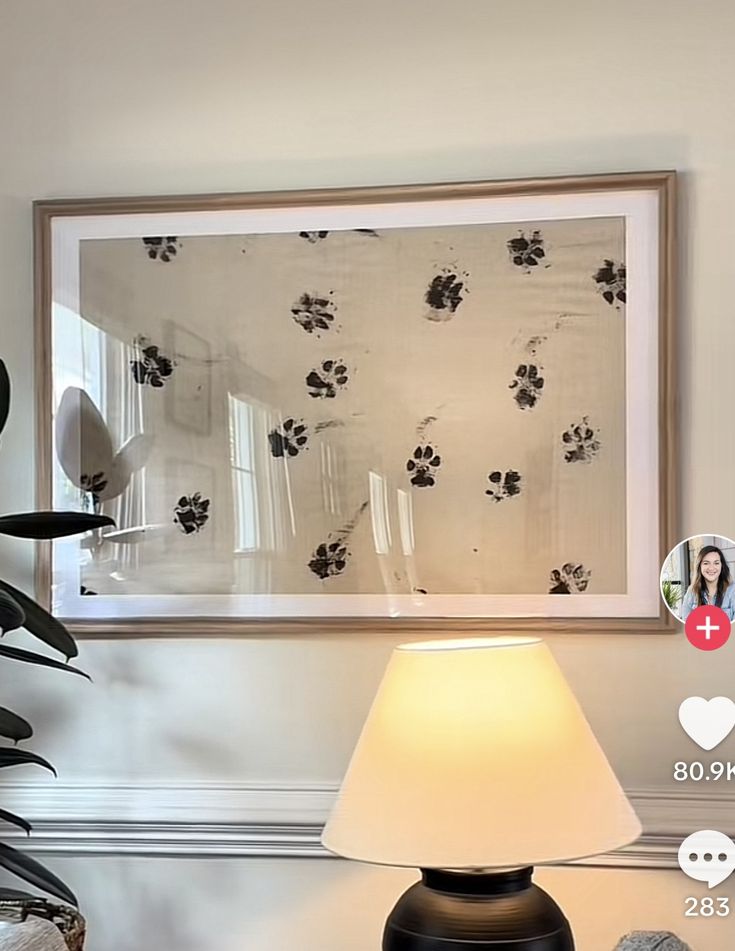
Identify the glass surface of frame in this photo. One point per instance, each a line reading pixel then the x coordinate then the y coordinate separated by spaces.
pixel 364 407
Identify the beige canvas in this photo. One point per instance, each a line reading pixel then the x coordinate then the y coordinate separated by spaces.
pixel 435 371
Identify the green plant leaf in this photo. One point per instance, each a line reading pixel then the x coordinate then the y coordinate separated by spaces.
pixel 14 727
pixel 12 614
pixel 4 395
pixel 34 873
pixel 672 594
pixel 41 624
pixel 14 894
pixel 15 757
pixel 15 820
pixel 29 657
pixel 51 524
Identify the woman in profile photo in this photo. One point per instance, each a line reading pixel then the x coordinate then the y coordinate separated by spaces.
pixel 712 584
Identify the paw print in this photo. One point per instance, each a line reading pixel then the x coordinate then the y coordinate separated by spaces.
pixel 314 312
pixel 445 294
pixel 324 382
pixel 288 439
pixel 329 559
pixel 161 249
pixel 581 442
pixel 94 484
pixel 504 486
pixel 571 579
pixel 152 367
pixel 313 236
pixel 423 466
pixel 191 513
pixel 528 385
pixel 526 253
pixel 611 281
pixel 533 344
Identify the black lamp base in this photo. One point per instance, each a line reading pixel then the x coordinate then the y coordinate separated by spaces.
pixel 477 911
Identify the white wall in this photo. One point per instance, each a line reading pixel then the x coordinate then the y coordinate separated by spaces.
pixel 161 97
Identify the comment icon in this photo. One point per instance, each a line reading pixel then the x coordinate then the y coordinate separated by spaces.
pixel 707 856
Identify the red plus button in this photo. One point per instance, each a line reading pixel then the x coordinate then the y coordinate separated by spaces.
pixel 707 627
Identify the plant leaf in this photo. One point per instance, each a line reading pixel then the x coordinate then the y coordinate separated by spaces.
pixel 133 456
pixel 29 657
pixel 4 395
pixel 12 614
pixel 14 727
pixel 14 894
pixel 15 820
pixel 51 524
pixel 136 534
pixel 41 624
pixel 33 872
pixel 83 441
pixel 135 452
pixel 14 757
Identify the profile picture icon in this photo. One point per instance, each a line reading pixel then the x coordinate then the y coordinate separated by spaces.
pixel 699 571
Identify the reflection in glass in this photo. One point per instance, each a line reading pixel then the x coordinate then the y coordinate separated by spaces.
pixel 379 513
pixel 244 484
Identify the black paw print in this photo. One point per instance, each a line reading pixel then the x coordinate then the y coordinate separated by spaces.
pixel 314 312
pixel 572 579
pixel 94 484
pixel 423 466
pixel 445 294
pixel 528 385
pixel 324 382
pixel 329 559
pixel 313 236
pixel 610 280
pixel 191 513
pixel 161 249
pixel 581 442
pixel 152 367
pixel 526 252
pixel 504 486
pixel 289 439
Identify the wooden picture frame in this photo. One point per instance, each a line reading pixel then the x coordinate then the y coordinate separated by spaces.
pixel 87 258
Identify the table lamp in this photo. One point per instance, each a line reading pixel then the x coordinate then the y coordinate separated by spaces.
pixel 476 763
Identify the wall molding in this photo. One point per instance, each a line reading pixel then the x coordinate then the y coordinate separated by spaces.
pixel 285 820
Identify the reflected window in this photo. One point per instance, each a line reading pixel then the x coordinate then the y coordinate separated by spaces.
pixel 244 483
pixel 379 513
pixel 79 356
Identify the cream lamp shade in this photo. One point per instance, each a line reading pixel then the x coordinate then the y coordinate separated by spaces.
pixel 475 754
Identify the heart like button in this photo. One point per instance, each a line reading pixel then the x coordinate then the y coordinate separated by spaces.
pixel 707 722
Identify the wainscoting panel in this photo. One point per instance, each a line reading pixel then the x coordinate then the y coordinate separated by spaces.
pixel 230 819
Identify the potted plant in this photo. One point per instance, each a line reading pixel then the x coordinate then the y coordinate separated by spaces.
pixel 17 610
pixel 671 591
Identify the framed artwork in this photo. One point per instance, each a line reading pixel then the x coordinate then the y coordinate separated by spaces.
pixel 425 407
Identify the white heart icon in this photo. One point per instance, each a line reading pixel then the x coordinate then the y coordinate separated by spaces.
pixel 707 722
